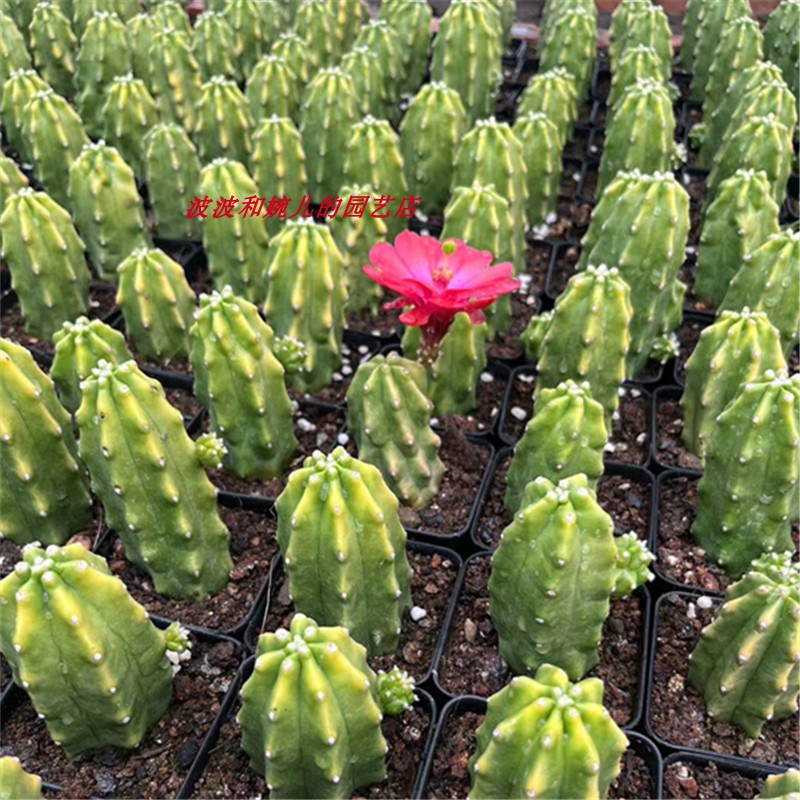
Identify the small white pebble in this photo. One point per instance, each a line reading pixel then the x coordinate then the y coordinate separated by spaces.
pixel 691 611
pixel 704 602
pixel 418 613
pixel 641 438
pixel 610 448
pixel 343 438
pixel 518 413
pixel 363 349
pixel 487 377
pixel 305 425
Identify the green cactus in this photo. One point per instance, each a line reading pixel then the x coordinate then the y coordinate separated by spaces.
pixel 250 34
pixel 532 338
pixel 79 347
pixel 349 20
pixel 344 548
pixel 95 667
pixel 395 691
pixel 736 349
pixel 18 90
pixel 273 90
pixel 570 41
pixel 20 11
pixel 43 491
pixel 13 51
pixel 223 122
pixel 746 663
pixel 770 280
pixel 290 46
pixel 83 11
pixel 12 179
pixel 546 737
pixel 411 22
pixel 553 93
pixel 638 23
pixel 783 786
pixel 454 375
pixel 565 436
pixel 241 382
pixel 172 174
pixel 641 225
pixel 370 82
pixel 15 783
pixel 737 222
pixel 541 148
pixel 467 55
pixel 107 208
pixel 53 46
pixel 632 567
pixel 389 415
pixel 588 337
pixel 128 115
pixel 104 54
pixel 237 247
pixel 640 134
pixel 748 492
pixel 380 38
pixel 781 45
pixel 175 77
pixel 355 237
pixel 635 64
pixel 315 21
pixel 154 490
pixel 157 304
pixel 430 134
pixel 141 31
pixel 492 155
pixel 327 115
pixel 45 256
pixel 213 45
pixel 306 296
pixel 691 24
pixel 560 546
pixel 315 680
pixel 171 14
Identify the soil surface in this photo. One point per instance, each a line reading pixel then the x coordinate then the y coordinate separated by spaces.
pixel 384 324
pixel 685 779
pixel 160 764
pixel 185 402
pixel 678 712
pixel 670 450
pixel 489 393
pixel 524 305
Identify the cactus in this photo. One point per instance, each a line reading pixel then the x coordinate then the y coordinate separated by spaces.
pixel 43 491
pixel 15 783
pixel 380 38
pixel 570 41
pixel 781 45
pixel 553 93
pixel 95 667
pixel 541 148
pixel 532 338
pixel 315 21
pixel 641 225
pixel 588 336
pixel 467 54
pixel 45 256
pixel 395 691
pixel 748 492
pixel 635 64
pixel 292 49
pixel 344 548
pixel 430 134
pixel 17 93
pixel 241 382
pixel 172 174
pixel 349 19
pixel 492 155
pixel 273 90
pixel 740 219
pixel 691 24
pixel 736 349
pixel 411 22
pixel 128 115
pixel 746 663
pixel 213 45
pixel 327 115
pixel 107 208
pixel 250 35
pixel 305 298
pixel 155 493
pixel 770 280
pixel 157 304
pixel 223 122
pixel 79 347
pixel 640 135
pixel 546 737
pixel 632 567
pixel 53 46
pixel 13 51
pixel 454 375
pixel 566 436
pixel 315 680
pixel 175 77
pixel 389 417
pixel 355 237
pixel 83 11
pixel 171 14
pixel 783 786
pixel 237 247
pixel 141 31
pixel 638 23
pixel 12 179
pixel 370 82
pixel 104 54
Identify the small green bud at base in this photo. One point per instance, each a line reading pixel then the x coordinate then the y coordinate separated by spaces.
pixel 633 560
pixel 211 450
pixel 395 691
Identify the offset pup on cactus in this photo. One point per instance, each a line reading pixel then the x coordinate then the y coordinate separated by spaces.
pixel 155 493
pixel 15 783
pixel 745 664
pixel 241 382
pixel 344 548
pixel 754 445
pixel 554 94
pixel 43 491
pixel 547 737
pixel 70 629
pixel 223 121
pixel 565 436
pixel 45 256
pixel 389 416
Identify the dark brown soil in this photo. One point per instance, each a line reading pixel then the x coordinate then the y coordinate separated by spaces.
pixel 687 780
pixel 690 301
pixel 695 185
pixel 588 186
pixel 384 324
pixel 624 499
pixel 506 345
pixel 577 146
pixel 335 393
pixel 564 267
pixel 678 713
pixel 252 547
pixel 228 773
pixel 432 585
pixel 185 402
pixel 572 222
pixel 537 262
pixel 670 449
pixel 489 398
pixel 450 774
pixel 158 767
pixel 688 334
pixel 179 365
